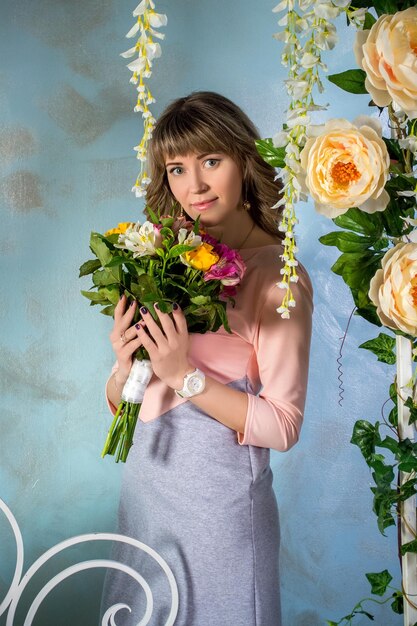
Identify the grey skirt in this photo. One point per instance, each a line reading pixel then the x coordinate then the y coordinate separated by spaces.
pixel 206 505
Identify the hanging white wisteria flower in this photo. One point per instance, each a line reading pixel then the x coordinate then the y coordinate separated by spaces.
pixel 147 50
pixel 311 20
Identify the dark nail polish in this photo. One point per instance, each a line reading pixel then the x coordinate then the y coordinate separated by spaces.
pixel 132 303
pixel 121 296
pixel 156 306
pixel 175 306
pixel 138 326
pixel 143 310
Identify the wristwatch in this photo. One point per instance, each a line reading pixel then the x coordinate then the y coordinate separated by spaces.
pixel 194 384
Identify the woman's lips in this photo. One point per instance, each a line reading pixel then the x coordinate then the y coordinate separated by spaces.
pixel 202 206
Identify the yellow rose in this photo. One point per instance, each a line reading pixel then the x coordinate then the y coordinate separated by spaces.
pixel 120 230
pixel 201 258
pixel 393 289
pixel 388 54
pixel 346 166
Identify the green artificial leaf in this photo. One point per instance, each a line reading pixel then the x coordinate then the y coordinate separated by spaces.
pixel 393 416
pixel 394 148
pixel 145 290
pixel 368 311
pixel 369 21
pixel 357 268
pixel 413 410
pixel 346 241
pixel 390 444
pixel 407 489
pixel 365 223
pixel 410 546
pixel 385 497
pixel 89 266
pixel 366 437
pixel 221 310
pixel 398 604
pixel 100 247
pixel 381 244
pixel 273 155
pixel 379 582
pixel 352 81
pixel 383 347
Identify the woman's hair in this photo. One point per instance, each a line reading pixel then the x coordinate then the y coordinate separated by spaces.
pixel 204 122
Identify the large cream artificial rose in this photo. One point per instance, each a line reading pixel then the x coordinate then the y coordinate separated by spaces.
pixel 388 54
pixel 393 289
pixel 345 166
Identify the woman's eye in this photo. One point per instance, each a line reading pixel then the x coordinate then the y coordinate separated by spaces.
pixel 212 162
pixel 176 170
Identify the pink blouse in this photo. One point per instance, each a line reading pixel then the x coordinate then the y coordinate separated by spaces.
pixel 272 353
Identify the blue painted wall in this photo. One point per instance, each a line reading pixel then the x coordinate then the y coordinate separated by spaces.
pixel 67 129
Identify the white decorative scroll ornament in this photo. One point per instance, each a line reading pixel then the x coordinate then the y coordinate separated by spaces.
pixel 19 584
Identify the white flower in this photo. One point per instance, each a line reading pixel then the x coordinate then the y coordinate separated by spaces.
pixel 141 240
pixel 157 19
pixel 141 8
pixel 133 30
pixel 188 239
pixel 137 65
pixel 325 10
pixel 129 53
pixel 409 143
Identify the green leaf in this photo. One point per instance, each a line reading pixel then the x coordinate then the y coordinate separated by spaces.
pixel 111 293
pixel 145 289
pixel 346 241
pixel 390 444
pixel 366 437
pixel 357 268
pixel 410 546
pixel 407 489
pixel 94 296
pixel 200 300
pixel 102 278
pixel 100 247
pixel 108 310
pixel 179 249
pixel 89 266
pixel 369 21
pixel 398 604
pixel 273 155
pixel 365 223
pixel 379 582
pixel 352 81
pixel 151 215
pixel 382 346
pixel 413 410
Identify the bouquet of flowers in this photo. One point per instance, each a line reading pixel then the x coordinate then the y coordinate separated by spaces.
pixel 163 261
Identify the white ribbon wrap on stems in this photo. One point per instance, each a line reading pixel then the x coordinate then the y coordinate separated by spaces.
pixel 139 377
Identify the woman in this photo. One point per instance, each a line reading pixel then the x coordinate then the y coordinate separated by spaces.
pixel 197 486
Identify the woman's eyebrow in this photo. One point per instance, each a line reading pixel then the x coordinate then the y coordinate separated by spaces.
pixel 200 156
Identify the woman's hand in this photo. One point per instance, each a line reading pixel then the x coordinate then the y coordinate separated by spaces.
pixel 124 338
pixel 167 347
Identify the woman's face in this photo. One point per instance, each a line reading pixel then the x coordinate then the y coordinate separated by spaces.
pixel 206 185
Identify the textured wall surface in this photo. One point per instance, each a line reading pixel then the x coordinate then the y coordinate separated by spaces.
pixel 67 129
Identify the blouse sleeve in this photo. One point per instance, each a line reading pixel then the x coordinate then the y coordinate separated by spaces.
pixel 282 349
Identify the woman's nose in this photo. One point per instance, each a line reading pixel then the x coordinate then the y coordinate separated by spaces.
pixel 198 183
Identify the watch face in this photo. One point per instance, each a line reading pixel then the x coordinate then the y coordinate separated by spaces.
pixel 195 384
